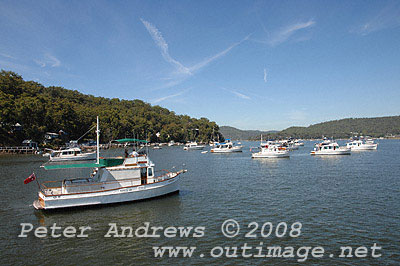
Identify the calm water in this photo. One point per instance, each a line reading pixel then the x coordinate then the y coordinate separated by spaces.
pixel 340 201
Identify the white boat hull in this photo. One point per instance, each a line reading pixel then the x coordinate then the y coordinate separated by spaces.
pixel 365 147
pixel 123 194
pixel 223 150
pixel 200 147
pixel 283 154
pixel 332 152
pixel 79 157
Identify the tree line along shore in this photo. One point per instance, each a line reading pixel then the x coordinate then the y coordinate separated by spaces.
pixel 31 111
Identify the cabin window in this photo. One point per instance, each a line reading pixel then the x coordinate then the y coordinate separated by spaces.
pixel 150 172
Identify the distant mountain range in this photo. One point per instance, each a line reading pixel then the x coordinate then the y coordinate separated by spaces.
pixel 343 128
pixel 236 134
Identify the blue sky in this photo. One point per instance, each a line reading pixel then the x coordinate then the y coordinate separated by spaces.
pixel 248 64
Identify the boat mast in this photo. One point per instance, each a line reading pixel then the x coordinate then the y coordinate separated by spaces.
pixel 97 142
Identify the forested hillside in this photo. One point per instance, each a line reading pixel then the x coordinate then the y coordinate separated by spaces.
pixel 39 109
pixel 344 128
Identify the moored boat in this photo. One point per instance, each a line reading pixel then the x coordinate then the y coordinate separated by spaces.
pixel 71 154
pixel 271 150
pixel 226 147
pixel 328 147
pixel 193 146
pixel 118 179
pixel 360 145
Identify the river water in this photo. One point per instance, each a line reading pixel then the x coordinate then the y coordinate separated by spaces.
pixel 339 201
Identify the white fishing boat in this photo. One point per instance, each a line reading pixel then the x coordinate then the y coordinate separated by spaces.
pixel 71 154
pixel 328 147
pixel 360 145
pixel 112 180
pixel 226 147
pixel 193 146
pixel 271 150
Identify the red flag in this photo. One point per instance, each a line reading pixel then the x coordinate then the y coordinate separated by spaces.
pixel 31 178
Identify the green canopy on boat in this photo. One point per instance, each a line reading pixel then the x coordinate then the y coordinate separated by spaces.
pixel 130 140
pixel 104 162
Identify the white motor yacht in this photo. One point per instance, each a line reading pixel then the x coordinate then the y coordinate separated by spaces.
pixel 71 154
pixel 328 147
pixel 360 145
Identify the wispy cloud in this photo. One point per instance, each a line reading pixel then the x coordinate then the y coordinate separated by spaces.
pixel 265 75
pixel 48 60
pixel 54 62
pixel 238 94
pixel 185 72
pixel 162 44
pixel 7 56
pixel 285 33
pixel 161 99
pixel 388 17
pixel 215 57
pixel 39 62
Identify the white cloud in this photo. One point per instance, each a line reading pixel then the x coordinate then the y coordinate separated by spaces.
pixel 285 33
pixel 53 61
pixel 7 56
pixel 238 94
pixel 265 75
pixel 168 97
pixel 215 57
pixel 39 62
pixel 388 17
pixel 48 60
pixel 162 44
pixel 186 71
